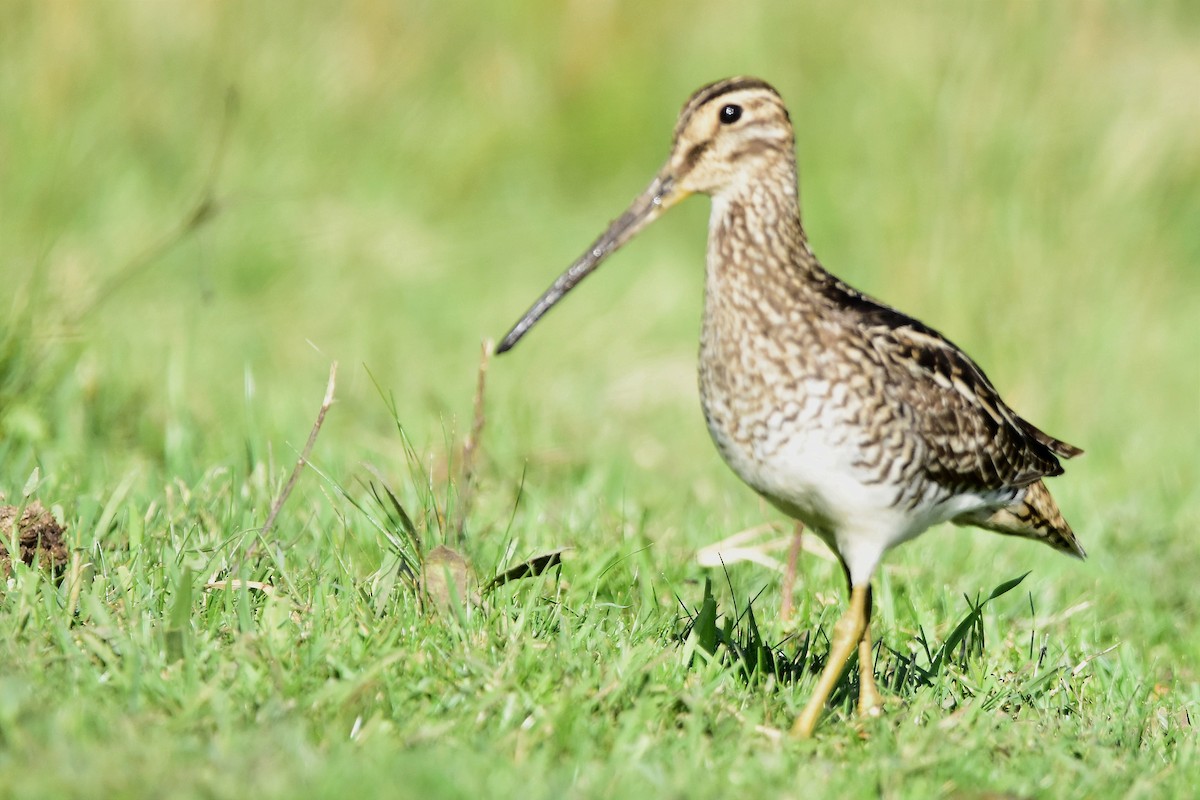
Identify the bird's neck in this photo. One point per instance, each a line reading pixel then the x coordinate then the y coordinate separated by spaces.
pixel 757 249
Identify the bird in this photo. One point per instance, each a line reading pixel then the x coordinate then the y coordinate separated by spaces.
pixel 859 422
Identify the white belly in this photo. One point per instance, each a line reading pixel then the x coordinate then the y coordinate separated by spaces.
pixel 813 477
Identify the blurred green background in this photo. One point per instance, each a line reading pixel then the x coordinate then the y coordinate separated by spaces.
pixel 396 181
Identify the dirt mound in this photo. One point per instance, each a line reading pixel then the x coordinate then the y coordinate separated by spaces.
pixel 40 537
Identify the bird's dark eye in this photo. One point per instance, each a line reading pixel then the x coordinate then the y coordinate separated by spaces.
pixel 730 114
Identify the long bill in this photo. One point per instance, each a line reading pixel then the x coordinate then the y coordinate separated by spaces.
pixel 660 195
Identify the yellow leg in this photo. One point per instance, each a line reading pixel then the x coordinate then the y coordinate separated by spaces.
pixel 847 634
pixel 789 574
pixel 870 702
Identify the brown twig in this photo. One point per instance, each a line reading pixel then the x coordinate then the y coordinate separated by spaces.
pixel 300 462
pixel 471 444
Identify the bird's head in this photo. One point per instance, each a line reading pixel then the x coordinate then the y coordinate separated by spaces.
pixel 729 134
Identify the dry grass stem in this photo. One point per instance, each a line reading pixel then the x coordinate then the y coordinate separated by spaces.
pixel 471 444
pixel 300 462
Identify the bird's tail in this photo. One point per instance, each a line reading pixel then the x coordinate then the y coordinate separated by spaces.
pixel 1034 515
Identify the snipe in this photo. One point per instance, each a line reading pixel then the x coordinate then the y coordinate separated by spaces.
pixel 860 422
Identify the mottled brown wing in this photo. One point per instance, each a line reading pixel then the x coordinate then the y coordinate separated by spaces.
pixel 974 440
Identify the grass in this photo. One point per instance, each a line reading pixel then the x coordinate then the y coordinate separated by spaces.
pixel 390 184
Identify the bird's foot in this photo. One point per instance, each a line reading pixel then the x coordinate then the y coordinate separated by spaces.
pixel 870 701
